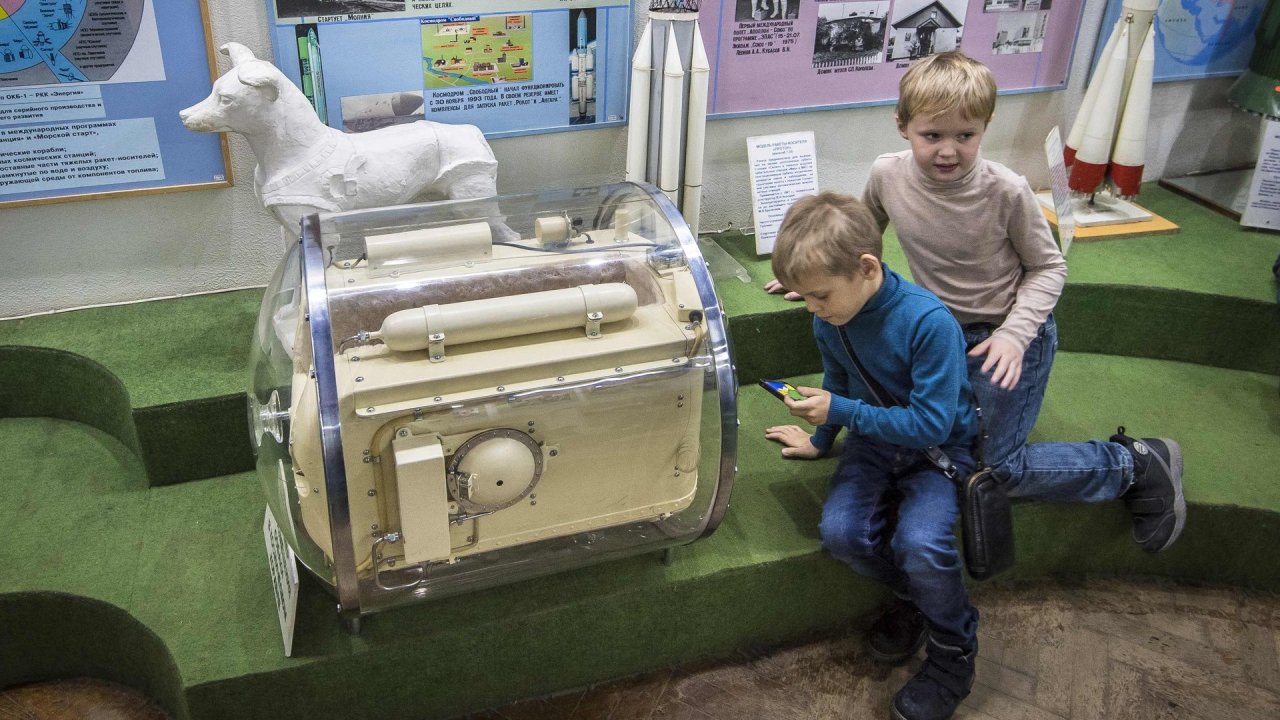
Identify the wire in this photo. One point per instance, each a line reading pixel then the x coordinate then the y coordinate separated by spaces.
pixel 602 248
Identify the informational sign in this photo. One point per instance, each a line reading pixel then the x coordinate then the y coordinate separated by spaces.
pixel 284 578
pixel 786 55
pixel 1196 38
pixel 538 66
pixel 1059 190
pixel 1263 208
pixel 89 97
pixel 783 168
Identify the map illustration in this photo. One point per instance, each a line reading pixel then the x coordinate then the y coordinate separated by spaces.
pixel 43 42
pixel 477 51
pixel 1197 38
pixel 1197 33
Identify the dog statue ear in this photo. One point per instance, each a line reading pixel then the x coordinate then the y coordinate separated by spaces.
pixel 263 76
pixel 237 52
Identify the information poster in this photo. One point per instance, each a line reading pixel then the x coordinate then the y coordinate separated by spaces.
pixel 780 55
pixel 1196 38
pixel 1263 208
pixel 89 97
pixel 508 68
pixel 784 168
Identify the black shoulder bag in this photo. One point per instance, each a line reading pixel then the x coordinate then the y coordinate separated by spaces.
pixel 986 520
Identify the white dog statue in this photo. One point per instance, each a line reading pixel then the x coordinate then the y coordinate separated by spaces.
pixel 305 166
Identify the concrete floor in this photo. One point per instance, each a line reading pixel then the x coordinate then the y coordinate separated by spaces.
pixel 1091 649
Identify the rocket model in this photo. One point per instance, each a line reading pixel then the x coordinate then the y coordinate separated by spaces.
pixel 582 88
pixel 670 76
pixel 581 51
pixel 1106 148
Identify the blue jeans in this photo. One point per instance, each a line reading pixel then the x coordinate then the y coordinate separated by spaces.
pixel 1092 471
pixel 890 515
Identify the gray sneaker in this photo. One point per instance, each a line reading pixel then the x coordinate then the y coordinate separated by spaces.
pixel 1155 499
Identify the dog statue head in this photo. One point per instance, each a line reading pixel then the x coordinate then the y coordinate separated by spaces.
pixel 242 99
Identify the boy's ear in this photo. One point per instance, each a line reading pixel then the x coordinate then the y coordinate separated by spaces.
pixel 902 127
pixel 868 264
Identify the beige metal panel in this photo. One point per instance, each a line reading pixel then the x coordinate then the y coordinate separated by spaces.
pixel 389 378
pixel 424 501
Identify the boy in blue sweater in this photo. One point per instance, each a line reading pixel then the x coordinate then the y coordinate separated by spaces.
pixel 892 506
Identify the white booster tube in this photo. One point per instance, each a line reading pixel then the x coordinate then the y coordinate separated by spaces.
pixel 510 316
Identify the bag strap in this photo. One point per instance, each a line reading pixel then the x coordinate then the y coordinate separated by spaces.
pixel 933 452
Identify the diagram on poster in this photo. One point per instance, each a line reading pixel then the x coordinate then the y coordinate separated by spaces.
pixel 477 51
pixel 43 42
pixel 507 69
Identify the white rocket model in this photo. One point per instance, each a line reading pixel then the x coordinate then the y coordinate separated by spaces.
pixel 670 76
pixel 1107 143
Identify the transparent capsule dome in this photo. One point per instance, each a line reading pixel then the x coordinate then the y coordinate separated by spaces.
pixel 451 396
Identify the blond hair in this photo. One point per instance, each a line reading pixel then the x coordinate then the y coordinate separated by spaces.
pixel 948 81
pixel 824 234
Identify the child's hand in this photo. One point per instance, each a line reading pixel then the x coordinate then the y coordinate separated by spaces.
pixel 813 408
pixel 773 287
pixel 795 442
pixel 1004 361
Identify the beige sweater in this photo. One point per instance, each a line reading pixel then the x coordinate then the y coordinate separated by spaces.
pixel 979 243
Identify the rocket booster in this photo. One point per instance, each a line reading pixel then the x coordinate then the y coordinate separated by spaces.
pixel 670 80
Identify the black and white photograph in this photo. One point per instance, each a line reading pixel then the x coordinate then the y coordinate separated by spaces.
pixel 308 8
pixel 850 33
pixel 996 6
pixel 1030 5
pixel 757 10
pixel 1020 33
pixel 370 112
pixel 925 27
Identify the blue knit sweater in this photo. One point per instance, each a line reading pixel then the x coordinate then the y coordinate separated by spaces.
pixel 912 345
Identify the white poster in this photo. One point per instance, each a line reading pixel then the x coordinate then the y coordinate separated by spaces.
pixel 1263 208
pixel 783 168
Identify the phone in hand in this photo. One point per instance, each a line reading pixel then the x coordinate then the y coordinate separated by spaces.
pixel 781 389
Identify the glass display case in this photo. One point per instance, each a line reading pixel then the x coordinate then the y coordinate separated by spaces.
pixel 451 396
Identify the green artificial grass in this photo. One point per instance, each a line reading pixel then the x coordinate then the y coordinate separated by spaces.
pixel 175 575
pixel 187 561
pixel 164 351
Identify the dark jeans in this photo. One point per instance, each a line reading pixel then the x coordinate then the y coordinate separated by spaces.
pixel 890 515
pixel 1092 471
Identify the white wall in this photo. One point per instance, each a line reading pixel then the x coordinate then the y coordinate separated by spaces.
pixel 67 255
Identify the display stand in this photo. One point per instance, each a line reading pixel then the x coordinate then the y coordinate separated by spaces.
pixel 1154 225
pixel 1226 191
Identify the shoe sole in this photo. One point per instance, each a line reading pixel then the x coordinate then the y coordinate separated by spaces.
pixel 1174 469
pixel 897 658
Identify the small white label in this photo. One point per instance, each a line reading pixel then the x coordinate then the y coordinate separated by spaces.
pixel 284 578
pixel 784 168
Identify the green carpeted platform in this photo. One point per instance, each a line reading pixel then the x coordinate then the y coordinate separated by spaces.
pixel 180 570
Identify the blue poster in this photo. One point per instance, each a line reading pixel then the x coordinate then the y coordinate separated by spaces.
pixel 541 68
pixel 1196 38
pixel 89 97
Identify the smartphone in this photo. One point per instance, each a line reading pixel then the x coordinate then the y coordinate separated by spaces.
pixel 781 390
